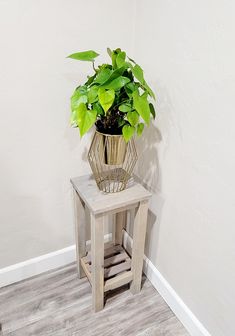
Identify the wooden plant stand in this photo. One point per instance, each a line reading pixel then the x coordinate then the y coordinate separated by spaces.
pixel 108 266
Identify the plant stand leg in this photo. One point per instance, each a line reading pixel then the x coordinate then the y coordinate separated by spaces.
pixel 97 261
pixel 120 224
pixel 139 232
pixel 80 231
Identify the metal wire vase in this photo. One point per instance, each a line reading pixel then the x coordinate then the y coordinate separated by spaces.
pixel 112 161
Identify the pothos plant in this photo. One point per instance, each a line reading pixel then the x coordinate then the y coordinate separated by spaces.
pixel 116 97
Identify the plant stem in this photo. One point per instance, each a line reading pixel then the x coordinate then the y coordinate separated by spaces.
pixel 93 65
pixel 124 101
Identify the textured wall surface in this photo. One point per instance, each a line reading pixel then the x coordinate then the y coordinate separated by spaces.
pixel 39 150
pixel 187 49
pixel 186 157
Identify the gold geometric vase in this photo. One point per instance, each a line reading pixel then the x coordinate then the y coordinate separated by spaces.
pixel 112 161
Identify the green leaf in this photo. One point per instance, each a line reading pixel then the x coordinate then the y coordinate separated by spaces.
pixel 133 118
pixel 128 132
pixel 121 122
pixel 141 105
pixel 109 51
pixel 149 90
pixel 73 118
pixel 79 96
pixel 120 59
pixel 130 88
pixel 90 79
pixel 106 98
pixel 130 59
pixel 140 128
pixel 115 74
pixel 152 110
pixel 85 118
pixel 98 108
pixel 92 94
pixel 103 76
pixel 125 108
pixel 117 83
pixel 88 55
pixel 138 73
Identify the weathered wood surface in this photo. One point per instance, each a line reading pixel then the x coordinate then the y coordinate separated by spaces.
pixel 140 223
pixel 120 224
pixel 58 303
pixel 99 202
pixel 118 281
pixel 109 251
pixel 80 231
pixel 117 265
pixel 97 267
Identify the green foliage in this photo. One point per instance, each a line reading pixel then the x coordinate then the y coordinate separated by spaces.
pixel 133 118
pixel 106 98
pixel 85 118
pixel 128 131
pixel 89 55
pixel 115 97
pixel 141 105
pixel 140 128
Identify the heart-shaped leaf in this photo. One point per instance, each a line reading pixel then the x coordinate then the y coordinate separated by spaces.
pixel 140 128
pixel 88 55
pixel 92 94
pixel 85 118
pixel 141 105
pixel 133 118
pixel 138 73
pixel 79 96
pixel 125 108
pixel 128 132
pixel 120 59
pixel 106 98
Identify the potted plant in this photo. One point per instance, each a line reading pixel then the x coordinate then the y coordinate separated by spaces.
pixel 116 99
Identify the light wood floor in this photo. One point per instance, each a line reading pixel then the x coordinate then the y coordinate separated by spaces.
pixel 58 303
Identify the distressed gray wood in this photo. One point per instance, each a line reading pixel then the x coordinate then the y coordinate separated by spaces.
pixel 118 281
pixel 97 265
pixel 80 231
pixel 120 223
pixel 102 205
pixel 99 202
pixel 108 252
pixel 140 223
pixel 117 259
pixel 58 303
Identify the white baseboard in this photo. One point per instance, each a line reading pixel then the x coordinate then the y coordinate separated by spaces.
pixel 50 261
pixel 38 265
pixel 184 314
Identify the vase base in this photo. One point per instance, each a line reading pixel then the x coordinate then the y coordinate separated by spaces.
pixel 114 180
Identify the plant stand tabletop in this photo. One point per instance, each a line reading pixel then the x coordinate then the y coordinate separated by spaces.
pixel 108 266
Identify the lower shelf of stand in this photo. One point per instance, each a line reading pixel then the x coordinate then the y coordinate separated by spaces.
pixel 117 267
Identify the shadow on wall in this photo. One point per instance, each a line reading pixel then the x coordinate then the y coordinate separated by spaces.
pixel 148 173
pixel 147 167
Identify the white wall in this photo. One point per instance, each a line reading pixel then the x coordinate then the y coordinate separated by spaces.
pixel 39 150
pixel 187 50
pixel 187 158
